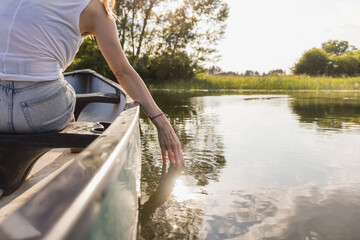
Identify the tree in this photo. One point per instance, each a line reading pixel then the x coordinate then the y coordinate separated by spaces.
pixel 313 62
pixel 276 72
pixel 150 26
pixel 337 48
pixel 215 70
pixel 152 31
pixel 249 73
pixel 344 65
pixel 195 27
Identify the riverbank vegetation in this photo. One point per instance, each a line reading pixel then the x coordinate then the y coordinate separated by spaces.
pixel 334 67
pixel 280 82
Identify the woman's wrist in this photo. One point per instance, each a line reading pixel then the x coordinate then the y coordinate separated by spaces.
pixel 161 121
pixel 152 117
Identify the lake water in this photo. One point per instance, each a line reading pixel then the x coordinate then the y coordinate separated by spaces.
pixel 258 166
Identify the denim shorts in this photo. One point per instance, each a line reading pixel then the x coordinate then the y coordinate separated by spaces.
pixel 34 107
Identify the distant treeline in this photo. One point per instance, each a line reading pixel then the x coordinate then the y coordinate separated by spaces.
pixel 215 70
pixel 334 59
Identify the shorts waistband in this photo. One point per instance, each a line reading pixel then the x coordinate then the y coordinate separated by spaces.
pixel 21 86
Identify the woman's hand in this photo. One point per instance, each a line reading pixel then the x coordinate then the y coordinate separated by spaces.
pixel 169 141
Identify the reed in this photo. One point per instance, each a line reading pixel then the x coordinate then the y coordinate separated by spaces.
pixel 286 82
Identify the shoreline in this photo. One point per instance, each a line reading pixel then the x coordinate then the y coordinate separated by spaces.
pixel 284 83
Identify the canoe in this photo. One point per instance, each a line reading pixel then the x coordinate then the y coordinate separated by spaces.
pixel 95 194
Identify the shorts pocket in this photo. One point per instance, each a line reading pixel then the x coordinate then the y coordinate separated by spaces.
pixel 51 112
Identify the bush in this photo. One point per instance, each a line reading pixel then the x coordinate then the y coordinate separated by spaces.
pixel 164 68
pixel 314 62
pixel 345 65
pixel 171 68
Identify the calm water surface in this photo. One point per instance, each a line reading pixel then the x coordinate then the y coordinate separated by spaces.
pixel 258 166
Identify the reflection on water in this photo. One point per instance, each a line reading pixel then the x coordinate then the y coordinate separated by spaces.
pixel 258 166
pixel 160 195
pixel 329 111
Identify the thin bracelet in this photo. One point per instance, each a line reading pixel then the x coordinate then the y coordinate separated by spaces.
pixel 153 117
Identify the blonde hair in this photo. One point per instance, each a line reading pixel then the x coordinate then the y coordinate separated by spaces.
pixel 109 6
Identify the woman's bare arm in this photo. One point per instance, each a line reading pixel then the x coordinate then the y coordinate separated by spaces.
pixel 94 20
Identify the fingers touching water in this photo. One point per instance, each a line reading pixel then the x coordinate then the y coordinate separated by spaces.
pixel 171 148
pixel 169 142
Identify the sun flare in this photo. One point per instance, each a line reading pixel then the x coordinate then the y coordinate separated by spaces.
pixel 181 192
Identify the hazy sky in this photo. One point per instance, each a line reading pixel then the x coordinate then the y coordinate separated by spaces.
pixel 269 34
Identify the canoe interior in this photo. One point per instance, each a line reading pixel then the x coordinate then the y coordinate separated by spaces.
pixel 19 153
pixel 84 82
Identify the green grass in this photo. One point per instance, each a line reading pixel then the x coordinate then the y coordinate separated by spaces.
pixel 289 82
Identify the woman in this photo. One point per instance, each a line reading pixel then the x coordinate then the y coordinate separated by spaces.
pixel 38 40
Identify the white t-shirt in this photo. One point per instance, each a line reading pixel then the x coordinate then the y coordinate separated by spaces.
pixel 38 38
